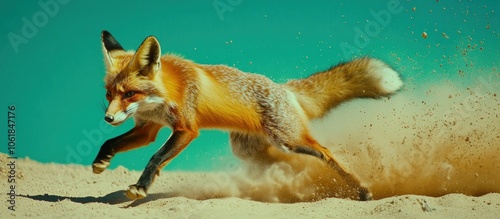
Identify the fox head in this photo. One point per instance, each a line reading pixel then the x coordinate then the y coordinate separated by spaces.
pixel 130 78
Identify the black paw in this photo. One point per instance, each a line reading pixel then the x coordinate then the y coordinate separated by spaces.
pixel 365 195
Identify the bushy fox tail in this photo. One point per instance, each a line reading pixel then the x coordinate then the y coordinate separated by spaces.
pixel 360 78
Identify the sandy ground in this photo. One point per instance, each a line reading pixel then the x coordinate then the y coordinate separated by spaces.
pixel 72 191
pixel 430 153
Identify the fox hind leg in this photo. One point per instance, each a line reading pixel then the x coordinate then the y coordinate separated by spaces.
pixel 293 135
pixel 254 148
pixel 312 147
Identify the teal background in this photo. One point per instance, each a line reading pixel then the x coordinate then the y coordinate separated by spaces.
pixel 54 77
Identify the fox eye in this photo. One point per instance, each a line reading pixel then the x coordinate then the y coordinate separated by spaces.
pixel 108 94
pixel 129 94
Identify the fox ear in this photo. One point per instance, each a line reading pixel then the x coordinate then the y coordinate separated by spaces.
pixel 110 47
pixel 147 57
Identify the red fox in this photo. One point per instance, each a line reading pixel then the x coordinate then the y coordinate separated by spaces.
pixel 171 91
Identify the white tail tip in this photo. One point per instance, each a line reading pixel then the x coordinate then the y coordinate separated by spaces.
pixel 390 81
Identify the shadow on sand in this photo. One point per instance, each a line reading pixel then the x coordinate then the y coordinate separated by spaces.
pixel 113 198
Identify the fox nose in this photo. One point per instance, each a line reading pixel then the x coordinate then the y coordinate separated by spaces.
pixel 109 118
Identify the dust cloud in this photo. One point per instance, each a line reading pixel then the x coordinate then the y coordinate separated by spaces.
pixel 434 141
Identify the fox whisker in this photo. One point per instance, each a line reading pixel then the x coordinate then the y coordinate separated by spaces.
pixel 104 106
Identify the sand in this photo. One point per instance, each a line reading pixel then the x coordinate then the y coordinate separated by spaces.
pixel 72 191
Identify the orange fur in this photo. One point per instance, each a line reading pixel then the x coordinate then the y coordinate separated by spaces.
pixel 217 109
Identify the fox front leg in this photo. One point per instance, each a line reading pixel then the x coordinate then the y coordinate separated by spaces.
pixel 103 158
pixel 174 145
pixel 141 135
